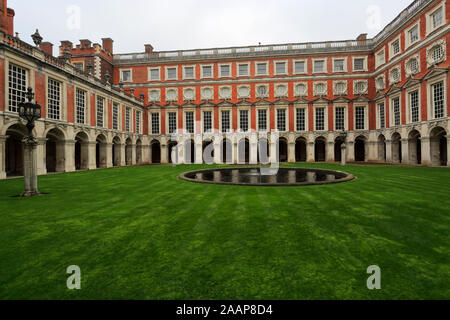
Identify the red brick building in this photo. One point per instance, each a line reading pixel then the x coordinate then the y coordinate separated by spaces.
pixel 388 94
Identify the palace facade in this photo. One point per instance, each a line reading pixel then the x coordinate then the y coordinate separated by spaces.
pixel 388 94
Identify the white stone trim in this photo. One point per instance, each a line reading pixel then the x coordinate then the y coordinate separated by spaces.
pixel 157 95
pixel 325 60
pixel 186 96
pixel 237 69
pixel 256 63
pixel 175 90
pixel 166 76
pixel 366 116
pixel 317 106
pixel 408 61
pixel 440 43
pixel 378 85
pixel 340 105
pixel 391 52
pixel 429 20
pixel 335 88
pixel 258 95
pixel 150 73
pixel 281 90
pixel 240 92
pixel 300 60
pixel 315 88
pixel 220 70
pixel 297 93
pixel 430 83
pixel 126 70
pixel 408 42
pixel 184 71
pixel 224 95
pixel 334 59
pixel 379 53
pixel 275 73
pixel 408 114
pixel 391 75
pixel 365 64
pixel 364 90
pixel 204 95
pixel 202 76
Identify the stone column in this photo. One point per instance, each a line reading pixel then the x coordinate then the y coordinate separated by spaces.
pixel 235 153
pixel 133 154
pixel 405 151
pixel 291 152
pixel 3 157
pixel 389 158
pixel 41 156
pixel 164 154
pixel 30 167
pixel 60 156
pixel 92 163
pixel 217 158
pixel 373 150
pixel 146 152
pixel 122 155
pixel 69 154
pixel 448 150
pixel 253 152
pixel 310 156
pixel 343 154
pixel 329 152
pixel 274 151
pixel 109 159
pixel 350 151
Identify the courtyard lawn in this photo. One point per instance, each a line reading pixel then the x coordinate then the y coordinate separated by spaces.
pixel 140 233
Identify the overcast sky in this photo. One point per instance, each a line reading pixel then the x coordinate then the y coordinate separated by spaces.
pixel 191 24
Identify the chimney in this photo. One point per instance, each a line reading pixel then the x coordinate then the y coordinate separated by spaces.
pixel 10 21
pixel 47 47
pixel 362 37
pixel 65 45
pixel 148 48
pixel 108 45
pixel 85 44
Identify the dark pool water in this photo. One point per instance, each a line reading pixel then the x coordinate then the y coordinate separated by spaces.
pixel 256 177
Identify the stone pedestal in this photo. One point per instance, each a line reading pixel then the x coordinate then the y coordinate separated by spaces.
pixel 30 167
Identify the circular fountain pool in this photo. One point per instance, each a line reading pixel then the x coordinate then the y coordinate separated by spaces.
pixel 267 176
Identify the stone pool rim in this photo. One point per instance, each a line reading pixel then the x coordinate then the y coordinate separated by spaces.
pixel 348 177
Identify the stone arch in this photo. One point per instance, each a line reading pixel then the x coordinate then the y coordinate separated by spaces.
pixel 396 142
pixel 300 149
pixel 155 147
pixel 81 151
pixel 381 148
pixel 116 151
pixel 320 149
pixel 414 147
pixel 129 152
pixel 54 150
pixel 438 146
pixel 361 148
pixel 244 151
pixel 14 149
pixel 101 151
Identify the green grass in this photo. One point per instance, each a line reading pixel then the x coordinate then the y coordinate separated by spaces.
pixel 140 233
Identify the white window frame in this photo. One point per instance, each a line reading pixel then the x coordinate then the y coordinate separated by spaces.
pixel 286 117
pixel 408 42
pixel 126 70
pixel 248 69
pixel 365 66
pixel 391 109
pixel 345 64
pixel 366 116
pixel 184 72
pixel 220 70
pixel 258 108
pixel 256 63
pixel 167 94
pixel 345 106
pixel 86 108
pixel 151 123
pixel 150 73
pixel 60 99
pixel 285 67
pixel 168 111
pixel 391 51
pixel 429 18
pixel 379 53
pixel 202 76
pixel 408 103
pixel 105 107
pixel 203 119
pixel 185 112
pixel 305 61
pixel 166 78
pixel 318 106
pixel 304 107
pixel 231 119
pixel 249 118
pixel 430 98
pixel 325 60
pixel 378 103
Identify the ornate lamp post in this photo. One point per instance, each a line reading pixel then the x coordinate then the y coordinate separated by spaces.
pixel 343 147
pixel 30 112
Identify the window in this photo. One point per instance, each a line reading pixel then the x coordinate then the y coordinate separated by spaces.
pixel 138 122
pixel 243 70
pixel 301 89
pixel 80 102
pixel 100 108
pixel 155 123
pixel 155 74
pixel 380 83
pixel 280 68
pixel 358 64
pixel 243 120
pixel 172 94
pixel 225 70
pixel 319 66
pixel 414 103
pixel 396 108
pixel 413 34
pixel 226 121
pixel 395 47
pixel 172 122
pixel 438 99
pixel 436 54
pixel 380 58
pixel 412 66
pixel 320 89
pixel 339 65
pixel 127 119
pixel 189 72
pixel 281 120
pixel 261 91
pixel 190 122
pixel 207 71
pixel 171 73
pixel 262 120
pixel 125 75
pixel 340 118
pixel 261 69
pixel 301 119
pixel 360 118
pixel 54 99
pixel 299 67
pixel 382 116
pixel 437 18
pixel 207 121
pixel 340 88
pixel 320 119
pixel 79 66
pixel 17 86
pixel 115 115
pixel 395 75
